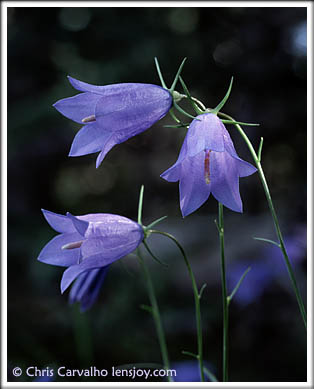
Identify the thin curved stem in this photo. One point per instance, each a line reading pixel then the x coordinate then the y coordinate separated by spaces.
pixel 197 297
pixel 257 160
pixel 155 313
pixel 225 304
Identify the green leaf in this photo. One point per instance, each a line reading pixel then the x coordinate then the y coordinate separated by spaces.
pixel 174 116
pixel 259 154
pixel 177 76
pixel 159 74
pixel 190 354
pixel 217 225
pixel 182 111
pixel 229 298
pixel 268 241
pixel 224 100
pixel 153 255
pixel 210 375
pixel 147 308
pixel 140 206
pixel 156 222
pixel 201 291
pixel 241 123
pixel 177 125
pixel 186 91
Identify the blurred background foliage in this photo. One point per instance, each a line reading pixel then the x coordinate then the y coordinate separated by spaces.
pixel 265 50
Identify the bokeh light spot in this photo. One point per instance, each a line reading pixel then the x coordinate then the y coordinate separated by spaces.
pixel 74 19
pixel 183 20
pixel 227 52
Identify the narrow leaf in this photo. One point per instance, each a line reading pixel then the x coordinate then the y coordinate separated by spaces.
pixel 176 125
pixel 182 111
pixel 201 291
pixel 259 154
pixel 190 354
pixel 238 285
pixel 177 76
pixel 140 206
pixel 241 123
pixel 223 101
pixel 186 91
pixel 268 241
pixel 156 222
pixel 147 308
pixel 153 255
pixel 174 116
pixel 217 225
pixel 210 375
pixel 159 74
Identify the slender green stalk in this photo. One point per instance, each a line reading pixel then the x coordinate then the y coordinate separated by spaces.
pixel 156 314
pixel 257 160
pixel 197 297
pixel 225 304
pixel 83 336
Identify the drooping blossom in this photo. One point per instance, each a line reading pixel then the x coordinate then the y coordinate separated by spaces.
pixel 267 267
pixel 86 245
pixel 111 114
pixel 86 287
pixel 188 371
pixel 208 163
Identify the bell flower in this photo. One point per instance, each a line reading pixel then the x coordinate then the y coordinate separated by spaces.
pixel 208 163
pixel 86 287
pixel 111 114
pixel 88 242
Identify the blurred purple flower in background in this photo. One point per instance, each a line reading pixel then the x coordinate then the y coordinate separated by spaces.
pixel 266 268
pixel 86 246
pixel 208 163
pixel 189 371
pixel 112 114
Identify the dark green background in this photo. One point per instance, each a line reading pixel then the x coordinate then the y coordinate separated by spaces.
pixel 264 49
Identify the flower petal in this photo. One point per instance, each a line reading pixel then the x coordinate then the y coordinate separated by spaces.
pixel 71 273
pixel 85 87
pixel 194 190
pixel 78 107
pixel 90 297
pixel 172 174
pixel 108 146
pixel 59 223
pixel 90 139
pixel 80 225
pixel 87 287
pixel 205 133
pixel 108 249
pixel 132 108
pixel 245 168
pixel 225 180
pixel 80 281
pixel 53 254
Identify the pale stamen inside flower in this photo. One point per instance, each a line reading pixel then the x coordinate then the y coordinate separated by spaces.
pixel 91 118
pixel 73 245
pixel 207 166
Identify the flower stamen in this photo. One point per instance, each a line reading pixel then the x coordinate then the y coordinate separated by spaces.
pixel 207 166
pixel 91 118
pixel 73 245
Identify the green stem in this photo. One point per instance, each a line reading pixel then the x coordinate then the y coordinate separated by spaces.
pixel 257 160
pixel 225 304
pixel 156 314
pixel 83 336
pixel 197 297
